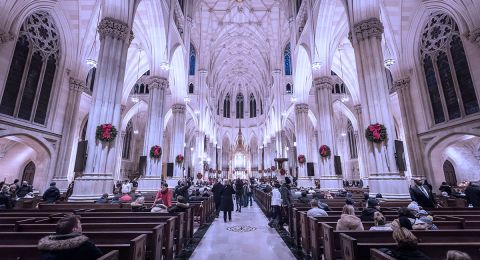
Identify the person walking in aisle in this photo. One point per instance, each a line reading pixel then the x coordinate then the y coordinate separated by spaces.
pixel 226 203
pixel 276 205
pixel 217 195
pixel 239 194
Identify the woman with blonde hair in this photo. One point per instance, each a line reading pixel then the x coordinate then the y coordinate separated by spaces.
pixel 348 220
pixel 380 224
pixel 407 245
pixel 457 255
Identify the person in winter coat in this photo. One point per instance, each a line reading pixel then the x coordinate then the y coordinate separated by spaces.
pixel 473 194
pixel 24 189
pixel 52 194
pixel 181 206
pixel 182 189
pixel 226 203
pixel 103 199
pixel 380 224
pixel 318 209
pixel 68 242
pixel 165 195
pixel 372 207
pixel 407 246
pixel 276 204
pixel 5 198
pixel 348 220
pixel 217 195
pixel 239 194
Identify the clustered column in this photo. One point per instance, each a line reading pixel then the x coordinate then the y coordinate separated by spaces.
pixel 301 123
pixel 178 138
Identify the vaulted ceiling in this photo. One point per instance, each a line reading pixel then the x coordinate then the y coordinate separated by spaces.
pixel 239 42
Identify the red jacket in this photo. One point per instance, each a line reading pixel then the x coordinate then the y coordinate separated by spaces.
pixel 166 197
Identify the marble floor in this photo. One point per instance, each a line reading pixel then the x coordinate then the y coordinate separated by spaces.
pixel 247 236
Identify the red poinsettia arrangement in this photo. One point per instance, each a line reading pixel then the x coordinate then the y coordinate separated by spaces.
pixel 199 175
pixel 155 152
pixel 282 172
pixel 301 159
pixel 273 168
pixel 106 133
pixel 376 133
pixel 325 151
pixel 179 159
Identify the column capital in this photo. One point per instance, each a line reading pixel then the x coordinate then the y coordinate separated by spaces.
pixel 114 28
pixel 157 82
pixel 401 84
pixel 6 37
pixel 474 36
pixel 179 108
pixel 76 84
pixel 301 108
pixel 368 28
pixel 324 82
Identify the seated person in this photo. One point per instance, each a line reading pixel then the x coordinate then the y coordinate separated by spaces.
pixel 446 188
pixel 317 209
pixel 68 242
pixel 372 207
pixel 407 246
pixel 303 199
pixel 181 205
pixel 413 207
pixel 103 199
pixel 24 189
pixel 6 201
pixel 348 220
pixel 429 223
pixel 405 219
pixel 380 223
pixel 137 205
pixel 159 207
pixel 116 198
pixel 196 196
pixel 52 194
pixel 125 198
pixel 457 255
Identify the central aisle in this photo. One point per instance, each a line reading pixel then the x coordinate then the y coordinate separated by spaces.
pixel 247 236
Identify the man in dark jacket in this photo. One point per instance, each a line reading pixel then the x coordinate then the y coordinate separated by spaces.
pixel 24 189
pixel 239 194
pixel 217 195
pixel 52 194
pixel 182 189
pixel 6 201
pixel 372 207
pixel 446 188
pixel 473 194
pixel 421 194
pixel 68 242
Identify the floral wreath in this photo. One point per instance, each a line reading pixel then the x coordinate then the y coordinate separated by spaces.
pixel 156 152
pixel 199 176
pixel 325 151
pixel 273 168
pixel 301 159
pixel 179 159
pixel 282 172
pixel 106 133
pixel 376 133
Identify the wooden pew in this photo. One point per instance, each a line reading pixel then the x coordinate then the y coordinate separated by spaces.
pixel 112 255
pixel 376 254
pixel 131 246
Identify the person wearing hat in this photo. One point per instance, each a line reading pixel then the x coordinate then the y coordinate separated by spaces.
pixel 103 199
pixel 372 207
pixel 429 222
pixel 52 194
pixel 317 209
pixel 421 194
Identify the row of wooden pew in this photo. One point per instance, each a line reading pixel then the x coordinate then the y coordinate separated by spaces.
pixel 317 236
pixel 116 230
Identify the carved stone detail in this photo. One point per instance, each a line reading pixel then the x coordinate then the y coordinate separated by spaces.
pixel 6 37
pixel 76 84
pixel 401 84
pixel 157 82
pixel 114 28
pixel 179 108
pixel 358 109
pixel 301 108
pixel 369 28
pixel 474 36
pixel 325 82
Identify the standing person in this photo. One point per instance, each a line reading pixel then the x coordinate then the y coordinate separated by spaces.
pixel 286 202
pixel 134 184
pixel 226 203
pixel 52 194
pixel 276 204
pixel 182 189
pixel 5 198
pixel 165 195
pixel 239 194
pixel 126 187
pixel 446 188
pixel 472 192
pixel 24 189
pixel 249 194
pixel 421 194
pixel 217 195
pixel 68 242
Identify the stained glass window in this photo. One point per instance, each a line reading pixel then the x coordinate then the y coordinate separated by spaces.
pixel 193 57
pixel 287 59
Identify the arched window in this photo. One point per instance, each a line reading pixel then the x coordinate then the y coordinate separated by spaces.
pixel 289 88
pixel 239 105
pixel 91 78
pixel 127 141
pixel 29 173
pixel 447 74
pixel 287 60
pixel 449 173
pixel 253 106
pixel 190 88
pixel 226 106
pixel 32 71
pixel 352 141
pixel 193 58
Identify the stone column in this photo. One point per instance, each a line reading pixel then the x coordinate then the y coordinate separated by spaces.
pixel 115 37
pixel 68 142
pixel 178 138
pixel 323 94
pixel 200 152
pixel 361 146
pixel 158 86
pixel 301 122
pixel 384 176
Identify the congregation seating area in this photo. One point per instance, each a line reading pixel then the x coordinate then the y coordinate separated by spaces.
pixel 317 237
pixel 114 228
